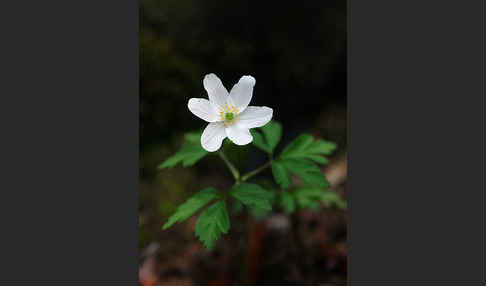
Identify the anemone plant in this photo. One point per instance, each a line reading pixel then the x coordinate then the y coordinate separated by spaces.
pixel 230 116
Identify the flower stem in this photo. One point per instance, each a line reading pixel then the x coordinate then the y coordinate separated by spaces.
pixel 246 215
pixel 232 168
pixel 256 171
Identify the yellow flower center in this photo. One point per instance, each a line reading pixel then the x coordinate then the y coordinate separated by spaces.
pixel 229 115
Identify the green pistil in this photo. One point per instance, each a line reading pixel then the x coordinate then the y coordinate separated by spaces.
pixel 229 116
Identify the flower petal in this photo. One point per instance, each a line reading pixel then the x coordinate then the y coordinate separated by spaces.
pixel 217 93
pixel 241 93
pixel 203 109
pixel 212 136
pixel 238 134
pixel 255 116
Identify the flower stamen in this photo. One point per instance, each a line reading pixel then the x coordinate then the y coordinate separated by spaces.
pixel 229 115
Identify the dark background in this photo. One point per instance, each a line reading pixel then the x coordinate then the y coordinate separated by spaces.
pixel 297 53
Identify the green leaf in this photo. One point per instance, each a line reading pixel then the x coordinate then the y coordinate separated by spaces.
pixel 259 213
pixel 297 147
pixel 211 223
pixel 281 175
pixel 191 206
pixel 193 137
pixel 299 156
pixel 308 171
pixel 321 147
pixel 189 154
pixel 287 202
pixel 304 147
pixel 314 178
pixel 272 132
pixel 192 154
pixel 260 142
pixel 318 159
pixel 252 195
pixel 308 197
pixel 329 198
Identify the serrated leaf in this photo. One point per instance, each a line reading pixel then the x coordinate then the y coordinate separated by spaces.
pixel 321 147
pixel 272 132
pixel 308 197
pixel 304 147
pixel 314 178
pixel 252 195
pixel 281 175
pixel 211 223
pixel 191 206
pixel 299 165
pixel 287 202
pixel 318 159
pixel 189 154
pixel 308 171
pixel 296 147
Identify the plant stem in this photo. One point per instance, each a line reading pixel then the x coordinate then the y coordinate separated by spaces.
pixel 246 215
pixel 232 168
pixel 245 271
pixel 256 171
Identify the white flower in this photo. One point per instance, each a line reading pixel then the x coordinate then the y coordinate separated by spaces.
pixel 228 114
